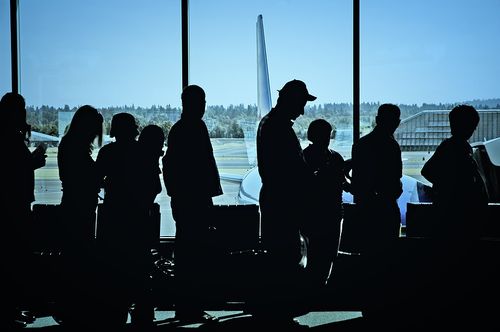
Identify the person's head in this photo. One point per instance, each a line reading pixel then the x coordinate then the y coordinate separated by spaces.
pixel 319 132
pixel 86 124
pixel 463 121
pixel 292 98
pixel 152 139
pixel 193 102
pixel 123 127
pixel 13 113
pixel 388 118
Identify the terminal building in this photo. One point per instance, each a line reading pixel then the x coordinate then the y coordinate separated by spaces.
pixel 425 130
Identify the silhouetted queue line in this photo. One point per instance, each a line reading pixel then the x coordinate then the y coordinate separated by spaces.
pixel 105 277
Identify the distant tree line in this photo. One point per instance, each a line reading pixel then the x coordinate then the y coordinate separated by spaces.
pixel 227 121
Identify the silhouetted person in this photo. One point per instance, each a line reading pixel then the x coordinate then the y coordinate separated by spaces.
pixel 16 198
pixel 283 199
pixel 151 141
pixel 376 180
pixel 120 217
pixel 460 201
pixel 323 230
pixel 191 178
pixel 458 190
pixel 81 185
pixel 376 185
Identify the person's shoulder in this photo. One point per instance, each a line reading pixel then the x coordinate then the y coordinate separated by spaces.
pixel 203 124
pixel 176 125
pixel 62 143
pixel 266 124
pixel 106 148
pixel 175 129
pixel 364 140
pixel 446 144
pixel 335 155
pixel 266 119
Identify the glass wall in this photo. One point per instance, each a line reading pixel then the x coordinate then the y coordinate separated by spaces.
pixel 425 56
pixel 116 56
pixel 428 56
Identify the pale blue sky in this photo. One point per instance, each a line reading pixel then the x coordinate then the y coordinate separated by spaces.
pixel 116 52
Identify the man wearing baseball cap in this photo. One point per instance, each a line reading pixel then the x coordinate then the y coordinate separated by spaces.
pixel 285 177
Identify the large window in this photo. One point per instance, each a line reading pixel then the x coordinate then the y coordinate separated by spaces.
pixel 115 55
pixel 427 56
pixel 306 40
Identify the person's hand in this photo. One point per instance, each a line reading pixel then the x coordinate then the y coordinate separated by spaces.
pixel 38 156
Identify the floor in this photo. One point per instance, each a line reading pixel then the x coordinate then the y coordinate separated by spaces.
pixel 232 321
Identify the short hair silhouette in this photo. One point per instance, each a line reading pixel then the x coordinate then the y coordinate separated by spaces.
pixel 463 120
pixel 193 101
pixel 318 130
pixel 123 125
pixel 13 109
pixel 388 117
pixel 192 92
pixel 389 110
pixel 295 90
pixel 151 133
pixel 153 138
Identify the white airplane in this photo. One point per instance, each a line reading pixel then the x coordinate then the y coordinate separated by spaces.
pixel 250 182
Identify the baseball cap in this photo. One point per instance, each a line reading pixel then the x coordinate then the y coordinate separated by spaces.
pixel 296 88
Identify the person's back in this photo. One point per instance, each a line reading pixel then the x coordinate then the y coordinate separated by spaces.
pixel 324 227
pixel 118 161
pixel 124 257
pixel 460 201
pixel 459 192
pixel 118 164
pixel 80 185
pixel 376 178
pixel 283 203
pixel 376 186
pixel 191 178
pixel 15 203
pixel 19 193
pixel 78 174
pixel 282 168
pixel 151 141
pixel 189 165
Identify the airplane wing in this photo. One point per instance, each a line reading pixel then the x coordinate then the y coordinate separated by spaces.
pixel 231 177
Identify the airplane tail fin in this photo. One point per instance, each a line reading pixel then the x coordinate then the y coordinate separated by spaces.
pixel 263 95
pixel 263 87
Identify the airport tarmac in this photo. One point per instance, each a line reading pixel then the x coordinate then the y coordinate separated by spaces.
pixel 231 157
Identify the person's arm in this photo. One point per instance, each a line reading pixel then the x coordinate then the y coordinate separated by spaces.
pixel 100 166
pixel 345 178
pixel 361 182
pixel 168 162
pixel 214 185
pixel 432 169
pixel 38 156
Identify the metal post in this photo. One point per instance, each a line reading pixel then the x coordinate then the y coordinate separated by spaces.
pixel 13 46
pixel 185 42
pixel 356 74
